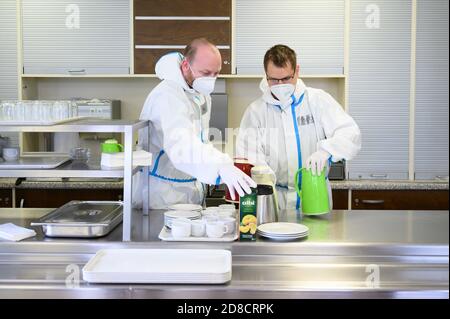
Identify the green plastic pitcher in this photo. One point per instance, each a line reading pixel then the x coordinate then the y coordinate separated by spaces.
pixel 314 192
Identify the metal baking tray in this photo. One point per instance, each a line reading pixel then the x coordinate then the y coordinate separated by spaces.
pixel 82 219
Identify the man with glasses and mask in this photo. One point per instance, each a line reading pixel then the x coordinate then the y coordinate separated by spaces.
pixel 293 126
pixel 179 109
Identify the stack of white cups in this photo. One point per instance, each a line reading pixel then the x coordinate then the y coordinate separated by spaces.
pixel 216 222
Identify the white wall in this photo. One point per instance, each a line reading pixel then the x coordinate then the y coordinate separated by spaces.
pixel 133 92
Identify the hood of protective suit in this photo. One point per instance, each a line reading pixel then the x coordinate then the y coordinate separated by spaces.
pixel 168 68
pixel 269 98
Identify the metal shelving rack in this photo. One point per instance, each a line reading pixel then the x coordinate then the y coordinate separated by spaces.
pixel 92 171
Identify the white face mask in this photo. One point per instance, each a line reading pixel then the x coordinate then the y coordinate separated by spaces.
pixel 283 92
pixel 204 85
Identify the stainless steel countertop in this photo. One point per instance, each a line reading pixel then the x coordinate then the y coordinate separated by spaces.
pixel 409 248
pixel 341 226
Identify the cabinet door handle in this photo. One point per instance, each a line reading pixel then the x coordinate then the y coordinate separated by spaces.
pixel 77 71
pixel 373 201
pixel 379 175
pixel 22 202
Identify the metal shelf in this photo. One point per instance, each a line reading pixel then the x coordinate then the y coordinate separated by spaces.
pixel 86 125
pixel 75 170
pixel 68 170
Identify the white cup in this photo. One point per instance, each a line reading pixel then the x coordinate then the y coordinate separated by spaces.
pixel 180 229
pixel 209 212
pixel 226 212
pixel 216 229
pixel 11 153
pixel 230 222
pixel 198 228
pixel 210 218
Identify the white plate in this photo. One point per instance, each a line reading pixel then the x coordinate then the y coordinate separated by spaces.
pixel 168 220
pixel 182 214
pixel 282 236
pixel 283 229
pixel 188 207
pixel 190 218
pixel 159 266
pixel 227 206
pixel 166 235
pixel 274 235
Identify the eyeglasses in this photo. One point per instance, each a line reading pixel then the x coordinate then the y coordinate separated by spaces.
pixel 283 80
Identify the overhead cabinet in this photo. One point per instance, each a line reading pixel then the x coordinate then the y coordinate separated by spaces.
pixel 76 37
pixel 431 111
pixel 8 50
pixel 162 26
pixel 379 86
pixel 9 75
pixel 313 28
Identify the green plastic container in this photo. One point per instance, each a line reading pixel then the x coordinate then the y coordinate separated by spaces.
pixel 314 192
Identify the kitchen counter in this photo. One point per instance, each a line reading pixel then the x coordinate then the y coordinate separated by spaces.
pixel 407 249
pixel 389 185
pixel 55 183
pixel 118 184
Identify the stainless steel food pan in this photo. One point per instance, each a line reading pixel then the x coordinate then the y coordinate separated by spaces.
pixel 84 219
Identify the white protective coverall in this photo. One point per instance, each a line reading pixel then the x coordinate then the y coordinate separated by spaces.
pixel 284 136
pixel 178 134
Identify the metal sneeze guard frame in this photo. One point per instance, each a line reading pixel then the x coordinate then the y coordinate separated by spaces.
pixel 88 125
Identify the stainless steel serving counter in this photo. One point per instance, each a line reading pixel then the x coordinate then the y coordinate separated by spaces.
pixel 348 254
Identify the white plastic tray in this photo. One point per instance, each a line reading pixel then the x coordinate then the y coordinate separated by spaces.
pixel 188 266
pixel 166 235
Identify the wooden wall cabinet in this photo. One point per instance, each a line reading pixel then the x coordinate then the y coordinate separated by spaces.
pixel 5 198
pixel 340 198
pixel 163 26
pixel 400 199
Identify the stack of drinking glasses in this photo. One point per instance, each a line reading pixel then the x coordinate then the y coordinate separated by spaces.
pixel 36 112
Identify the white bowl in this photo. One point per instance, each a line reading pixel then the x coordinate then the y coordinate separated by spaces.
pixel 11 152
pixel 10 159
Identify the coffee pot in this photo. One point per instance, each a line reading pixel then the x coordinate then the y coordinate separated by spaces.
pixel 266 209
pixel 263 175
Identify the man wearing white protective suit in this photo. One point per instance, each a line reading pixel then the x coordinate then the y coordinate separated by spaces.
pixel 293 126
pixel 179 111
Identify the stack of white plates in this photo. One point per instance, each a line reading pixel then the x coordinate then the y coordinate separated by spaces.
pixel 170 215
pixel 283 231
pixel 188 207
